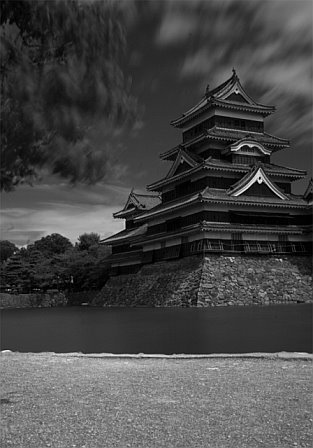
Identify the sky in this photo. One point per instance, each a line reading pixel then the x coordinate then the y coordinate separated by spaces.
pixel 174 50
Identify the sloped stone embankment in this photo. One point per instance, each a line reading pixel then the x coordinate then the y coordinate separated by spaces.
pixel 213 280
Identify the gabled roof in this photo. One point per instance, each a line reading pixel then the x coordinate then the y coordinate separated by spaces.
pixel 137 202
pixel 257 174
pixel 229 94
pixel 183 157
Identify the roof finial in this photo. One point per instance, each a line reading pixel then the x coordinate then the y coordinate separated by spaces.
pixel 234 72
pixel 207 90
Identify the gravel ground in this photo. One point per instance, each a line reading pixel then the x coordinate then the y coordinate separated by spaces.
pixel 71 401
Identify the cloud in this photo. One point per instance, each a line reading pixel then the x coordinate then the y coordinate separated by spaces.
pixel 138 125
pixel 268 42
pixel 183 21
pixel 61 209
pixel 175 27
pixel 70 221
pixel 135 58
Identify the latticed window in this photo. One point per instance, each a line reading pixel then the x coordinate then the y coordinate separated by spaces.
pixel 231 123
pixel 216 245
pixel 244 160
pixel 283 243
pixel 171 252
pixel 251 246
pixel 297 247
pixel 196 246
pixel 237 241
pixel 264 247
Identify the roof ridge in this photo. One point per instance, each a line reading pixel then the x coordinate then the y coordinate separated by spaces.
pixel 222 130
pixel 143 194
pixel 255 104
pixel 209 93
pixel 287 167
pixel 238 130
pixel 279 138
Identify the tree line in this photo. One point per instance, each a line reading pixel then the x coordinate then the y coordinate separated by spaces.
pixel 54 263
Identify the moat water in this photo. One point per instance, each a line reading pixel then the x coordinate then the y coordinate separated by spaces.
pixel 158 330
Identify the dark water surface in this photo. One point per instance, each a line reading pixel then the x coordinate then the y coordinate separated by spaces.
pixel 158 330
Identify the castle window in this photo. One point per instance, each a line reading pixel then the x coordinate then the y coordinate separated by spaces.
pixel 244 160
pixel 237 241
pixel 283 243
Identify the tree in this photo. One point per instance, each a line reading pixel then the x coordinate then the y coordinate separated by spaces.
pixel 41 272
pixel 17 273
pixel 7 249
pixel 53 262
pixel 87 268
pixel 87 240
pixel 53 244
pixel 60 76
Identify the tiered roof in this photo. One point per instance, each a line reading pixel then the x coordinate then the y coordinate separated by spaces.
pixel 231 136
pixel 125 235
pixel 220 227
pixel 212 164
pixel 136 203
pixel 231 95
pixel 219 196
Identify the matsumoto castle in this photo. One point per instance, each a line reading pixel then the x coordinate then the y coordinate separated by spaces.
pixel 222 194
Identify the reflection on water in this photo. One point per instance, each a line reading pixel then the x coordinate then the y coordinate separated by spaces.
pixel 158 330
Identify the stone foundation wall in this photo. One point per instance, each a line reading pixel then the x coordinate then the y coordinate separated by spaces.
pixel 40 300
pixel 172 283
pixel 214 280
pixel 255 280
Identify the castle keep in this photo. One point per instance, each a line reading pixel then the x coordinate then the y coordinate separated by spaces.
pixel 222 196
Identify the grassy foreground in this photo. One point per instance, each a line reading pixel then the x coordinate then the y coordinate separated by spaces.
pixel 72 401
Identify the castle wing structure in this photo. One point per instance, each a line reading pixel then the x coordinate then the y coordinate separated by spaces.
pixel 221 194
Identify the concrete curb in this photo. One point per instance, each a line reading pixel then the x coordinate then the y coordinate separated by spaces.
pixel 270 356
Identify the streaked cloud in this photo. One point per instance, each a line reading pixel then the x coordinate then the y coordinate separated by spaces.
pixel 268 42
pixel 48 209
pixel 175 27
